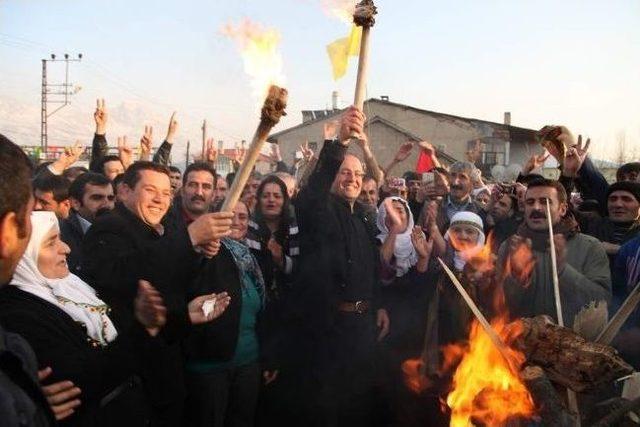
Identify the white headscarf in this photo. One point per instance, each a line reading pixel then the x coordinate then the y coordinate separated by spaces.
pixel 70 294
pixel 460 258
pixel 404 252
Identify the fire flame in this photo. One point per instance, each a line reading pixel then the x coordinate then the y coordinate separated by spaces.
pixel 341 9
pixel 484 389
pixel 259 50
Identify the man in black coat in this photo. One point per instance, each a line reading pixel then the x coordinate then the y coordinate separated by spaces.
pixel 130 244
pixel 335 301
pixel 90 194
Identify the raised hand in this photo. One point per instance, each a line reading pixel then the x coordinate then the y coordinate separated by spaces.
pixel 352 123
pixel 520 259
pixel 62 396
pixel 427 147
pixel 146 142
pixel 100 116
pixel 275 154
pixel 211 154
pixel 307 153
pixel 209 227
pixel 70 155
pixel 535 161
pixel 403 152
pixel 124 152
pixel 202 311
pixel 422 245
pixel 330 129
pixel 149 308
pixel 173 128
pixel 576 156
pixel 396 223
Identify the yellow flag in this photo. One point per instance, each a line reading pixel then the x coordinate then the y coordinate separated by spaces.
pixel 340 50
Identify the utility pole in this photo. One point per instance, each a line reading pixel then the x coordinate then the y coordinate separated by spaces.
pixel 186 160
pixel 54 94
pixel 204 137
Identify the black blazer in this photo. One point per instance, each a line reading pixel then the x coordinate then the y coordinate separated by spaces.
pixel 62 344
pixel 118 250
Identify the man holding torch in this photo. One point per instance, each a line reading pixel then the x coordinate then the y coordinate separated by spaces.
pixel 336 306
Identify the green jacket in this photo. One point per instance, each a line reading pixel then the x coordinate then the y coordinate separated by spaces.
pixel 585 277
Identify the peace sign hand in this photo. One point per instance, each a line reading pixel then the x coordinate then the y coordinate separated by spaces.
pixel 146 142
pixel 576 156
pixel 124 152
pixel 100 116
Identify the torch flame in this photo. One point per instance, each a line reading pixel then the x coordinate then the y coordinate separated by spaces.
pixel 341 9
pixel 259 50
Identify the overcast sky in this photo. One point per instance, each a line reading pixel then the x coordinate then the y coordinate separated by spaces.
pixel 548 62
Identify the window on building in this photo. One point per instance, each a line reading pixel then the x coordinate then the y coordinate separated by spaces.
pixel 493 152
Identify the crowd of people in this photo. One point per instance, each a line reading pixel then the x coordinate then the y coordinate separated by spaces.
pixel 129 298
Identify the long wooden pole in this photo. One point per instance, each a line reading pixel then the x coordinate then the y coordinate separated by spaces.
pixel 363 69
pixel 621 316
pixel 502 348
pixel 272 110
pixel 572 398
pixel 554 269
pixel 204 138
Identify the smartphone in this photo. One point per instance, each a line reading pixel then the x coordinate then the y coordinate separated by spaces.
pixel 428 177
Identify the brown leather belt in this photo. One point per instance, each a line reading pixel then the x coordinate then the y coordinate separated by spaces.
pixel 359 307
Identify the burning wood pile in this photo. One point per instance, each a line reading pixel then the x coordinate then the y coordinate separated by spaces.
pixel 517 372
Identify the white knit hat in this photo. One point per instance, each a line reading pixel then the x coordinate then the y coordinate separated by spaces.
pixel 468 218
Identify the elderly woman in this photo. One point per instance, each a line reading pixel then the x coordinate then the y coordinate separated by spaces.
pixel 69 328
pixel 71 332
pixel 449 317
pixel 223 369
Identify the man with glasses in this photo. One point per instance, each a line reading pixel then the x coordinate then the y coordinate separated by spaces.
pixel 90 194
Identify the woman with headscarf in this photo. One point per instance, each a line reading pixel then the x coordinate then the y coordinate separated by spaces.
pixel 449 317
pixel 223 359
pixel 407 289
pixel 69 328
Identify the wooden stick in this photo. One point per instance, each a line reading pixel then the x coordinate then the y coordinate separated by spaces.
pixel 572 399
pixel 204 138
pixel 615 324
pixel 502 348
pixel 363 68
pixel 364 18
pixel 272 110
pixel 554 268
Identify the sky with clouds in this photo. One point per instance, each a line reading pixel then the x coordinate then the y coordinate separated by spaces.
pixel 571 62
